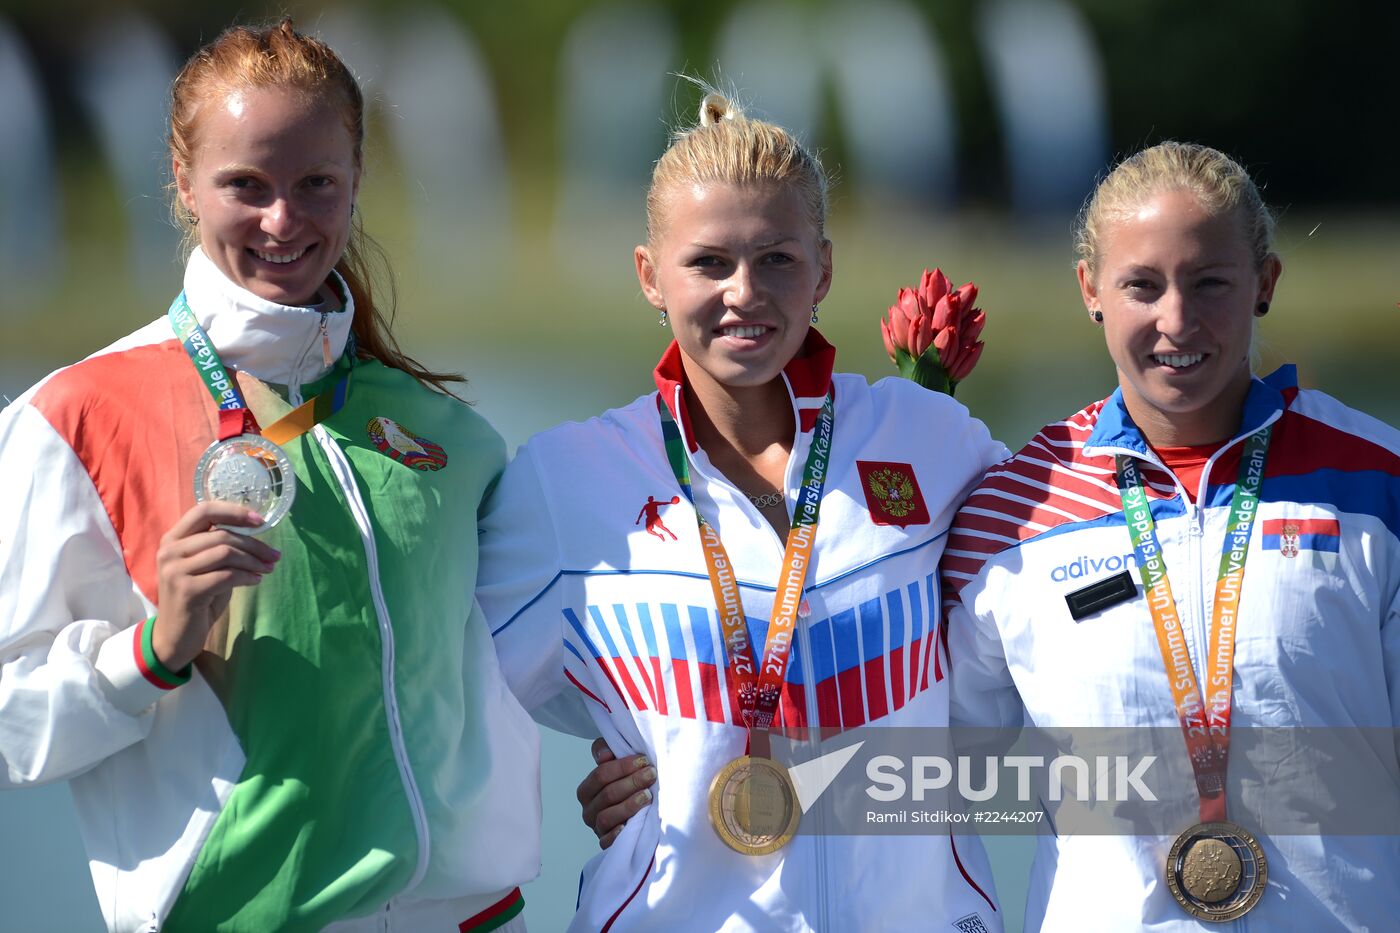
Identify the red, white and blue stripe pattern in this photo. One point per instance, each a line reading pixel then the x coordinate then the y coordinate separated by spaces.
pixel 1321 455
pixel 1048 485
pixel 668 658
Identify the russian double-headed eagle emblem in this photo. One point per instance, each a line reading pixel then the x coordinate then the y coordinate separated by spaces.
pixel 894 489
pixel 892 493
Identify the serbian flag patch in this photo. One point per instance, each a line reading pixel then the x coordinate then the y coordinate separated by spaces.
pixel 892 493
pixel 1291 536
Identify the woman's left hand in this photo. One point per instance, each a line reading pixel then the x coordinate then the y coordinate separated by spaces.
pixel 614 791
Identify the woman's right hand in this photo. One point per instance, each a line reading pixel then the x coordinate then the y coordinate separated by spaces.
pixel 614 791
pixel 198 564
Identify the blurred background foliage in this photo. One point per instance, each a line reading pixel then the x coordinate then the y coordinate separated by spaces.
pixel 509 195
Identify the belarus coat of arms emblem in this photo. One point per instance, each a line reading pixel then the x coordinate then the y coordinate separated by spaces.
pixel 403 445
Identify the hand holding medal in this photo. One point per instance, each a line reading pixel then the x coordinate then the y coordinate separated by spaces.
pixel 198 564
pixel 243 485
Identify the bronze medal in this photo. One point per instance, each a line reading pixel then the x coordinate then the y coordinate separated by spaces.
pixel 753 805
pixel 1217 871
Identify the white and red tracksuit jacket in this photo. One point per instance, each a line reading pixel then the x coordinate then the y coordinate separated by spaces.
pixel 605 623
pixel 1318 641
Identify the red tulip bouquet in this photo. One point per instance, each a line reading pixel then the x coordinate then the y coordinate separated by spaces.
pixel 931 332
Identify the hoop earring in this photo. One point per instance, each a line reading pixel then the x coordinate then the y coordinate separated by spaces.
pixel 814 314
pixel 665 319
pixel 1098 317
pixel 1263 308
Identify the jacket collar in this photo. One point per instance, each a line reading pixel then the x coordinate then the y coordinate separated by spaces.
pixel 1268 397
pixel 808 378
pixel 275 343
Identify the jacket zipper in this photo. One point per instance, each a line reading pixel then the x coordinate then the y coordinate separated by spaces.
pixel 325 343
pixel 323 336
pixel 1196 536
pixel 813 742
pixel 1194 596
pixel 1196 526
pixel 1243 922
pixel 803 638
pixel 341 468
pixel 1197 598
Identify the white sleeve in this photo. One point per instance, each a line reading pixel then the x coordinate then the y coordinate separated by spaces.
pixel 519 586
pixel 1390 650
pixel 981 691
pixel 71 689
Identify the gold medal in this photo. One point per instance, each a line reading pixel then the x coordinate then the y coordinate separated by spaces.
pixel 753 805
pixel 1216 871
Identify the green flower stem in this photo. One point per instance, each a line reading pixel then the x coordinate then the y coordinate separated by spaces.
pixel 927 371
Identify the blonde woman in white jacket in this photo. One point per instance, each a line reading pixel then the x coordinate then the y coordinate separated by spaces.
pixel 708 566
pixel 1204 553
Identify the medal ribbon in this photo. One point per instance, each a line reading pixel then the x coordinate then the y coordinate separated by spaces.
pixel 1204 723
pixel 754 692
pixel 234 415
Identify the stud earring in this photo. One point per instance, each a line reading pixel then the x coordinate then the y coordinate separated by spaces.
pixel 1263 308
pixel 665 318
pixel 1098 317
pixel 814 314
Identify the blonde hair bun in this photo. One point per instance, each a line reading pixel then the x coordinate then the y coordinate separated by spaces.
pixel 728 147
pixel 716 109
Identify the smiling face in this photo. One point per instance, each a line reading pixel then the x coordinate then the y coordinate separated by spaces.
pixel 1179 288
pixel 271 182
pixel 738 269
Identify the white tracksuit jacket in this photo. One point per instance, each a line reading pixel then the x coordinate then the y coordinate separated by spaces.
pixel 608 628
pixel 1318 638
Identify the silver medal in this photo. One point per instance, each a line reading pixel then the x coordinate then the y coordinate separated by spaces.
pixel 250 471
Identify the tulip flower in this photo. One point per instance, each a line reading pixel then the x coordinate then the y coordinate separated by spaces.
pixel 931 332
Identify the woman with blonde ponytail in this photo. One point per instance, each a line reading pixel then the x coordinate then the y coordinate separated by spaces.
pixel 233 609
pixel 711 580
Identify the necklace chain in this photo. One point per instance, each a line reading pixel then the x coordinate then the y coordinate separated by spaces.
pixel 767 500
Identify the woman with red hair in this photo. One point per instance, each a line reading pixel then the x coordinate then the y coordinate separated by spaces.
pixel 232 550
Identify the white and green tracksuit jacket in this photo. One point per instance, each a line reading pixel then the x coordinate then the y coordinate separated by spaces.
pixel 345 747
